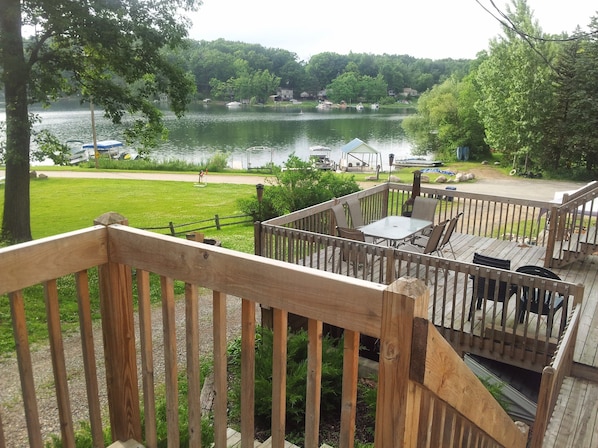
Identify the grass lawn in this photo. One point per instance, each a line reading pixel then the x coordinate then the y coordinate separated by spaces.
pixel 60 205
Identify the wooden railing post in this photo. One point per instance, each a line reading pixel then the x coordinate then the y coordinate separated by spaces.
pixel 552 236
pixel 116 307
pixel 403 300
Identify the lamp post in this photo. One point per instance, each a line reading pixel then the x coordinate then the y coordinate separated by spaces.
pixel 391 159
pixel 259 189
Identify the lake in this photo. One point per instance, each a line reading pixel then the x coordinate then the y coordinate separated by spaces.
pixel 207 129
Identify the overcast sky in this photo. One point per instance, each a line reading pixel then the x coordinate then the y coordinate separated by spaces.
pixel 421 28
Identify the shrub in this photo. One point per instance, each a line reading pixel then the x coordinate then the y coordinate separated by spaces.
pixel 217 163
pixel 332 372
pixel 297 187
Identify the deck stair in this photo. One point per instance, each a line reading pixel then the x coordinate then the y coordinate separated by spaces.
pixel 576 248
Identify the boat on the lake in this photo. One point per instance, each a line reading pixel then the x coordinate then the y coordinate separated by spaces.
pixel 319 156
pixel 113 149
pixel 417 162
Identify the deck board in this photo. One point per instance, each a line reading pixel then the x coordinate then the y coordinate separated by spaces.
pixel 574 420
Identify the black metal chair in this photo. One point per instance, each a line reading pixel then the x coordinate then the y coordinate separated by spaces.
pixel 540 300
pixel 482 291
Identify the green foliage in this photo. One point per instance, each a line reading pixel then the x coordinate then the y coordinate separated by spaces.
pixel 517 88
pixel 83 437
pixel 353 87
pixel 495 390
pixel 207 428
pixel 217 163
pixel 297 186
pixel 332 362
pixel 446 118
pixel 50 147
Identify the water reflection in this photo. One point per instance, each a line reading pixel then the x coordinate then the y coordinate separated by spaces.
pixel 206 129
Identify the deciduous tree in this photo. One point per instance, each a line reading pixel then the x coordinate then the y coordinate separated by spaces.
pixel 111 51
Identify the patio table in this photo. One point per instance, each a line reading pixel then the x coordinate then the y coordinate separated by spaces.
pixel 395 228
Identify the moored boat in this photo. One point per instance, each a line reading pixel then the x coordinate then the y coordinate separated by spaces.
pixel 417 162
pixel 113 149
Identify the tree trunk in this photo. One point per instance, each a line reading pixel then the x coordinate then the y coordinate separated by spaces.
pixel 16 225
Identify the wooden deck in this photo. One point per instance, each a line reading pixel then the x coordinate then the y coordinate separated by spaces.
pixel 575 420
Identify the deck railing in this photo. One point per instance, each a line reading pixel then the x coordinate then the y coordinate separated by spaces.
pixel 425 392
pixel 307 237
pixel 573 232
pixel 553 376
pixel 510 219
pixel 527 343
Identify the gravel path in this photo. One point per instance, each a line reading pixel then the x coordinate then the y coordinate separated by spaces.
pixel 488 181
pixel 10 390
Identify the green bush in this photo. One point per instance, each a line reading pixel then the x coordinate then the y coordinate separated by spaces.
pixel 332 373
pixel 296 187
pixel 217 163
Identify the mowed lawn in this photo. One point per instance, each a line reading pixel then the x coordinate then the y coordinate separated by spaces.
pixel 61 205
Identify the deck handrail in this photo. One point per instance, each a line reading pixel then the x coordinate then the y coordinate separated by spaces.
pixel 573 232
pixel 553 376
pixel 385 312
pixel 525 344
pixel 484 215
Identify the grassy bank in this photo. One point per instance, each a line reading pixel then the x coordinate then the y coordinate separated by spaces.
pixel 60 205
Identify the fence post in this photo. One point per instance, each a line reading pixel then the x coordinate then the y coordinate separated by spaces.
pixel 116 307
pixel 553 222
pixel 217 222
pixel 171 226
pixel 403 300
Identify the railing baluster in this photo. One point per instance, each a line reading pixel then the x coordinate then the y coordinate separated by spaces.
pixel 19 325
pixel 247 373
pixel 314 383
pixel 219 329
pixel 349 388
pixel 58 364
pixel 193 376
pixel 147 356
pixel 170 360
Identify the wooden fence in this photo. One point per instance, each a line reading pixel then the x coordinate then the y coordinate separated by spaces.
pixel 217 222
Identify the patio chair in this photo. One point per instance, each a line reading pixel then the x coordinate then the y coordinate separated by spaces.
pixel 489 291
pixel 539 299
pixel 448 233
pixel 339 215
pixel 432 242
pixel 355 212
pixel 357 258
pixel 424 208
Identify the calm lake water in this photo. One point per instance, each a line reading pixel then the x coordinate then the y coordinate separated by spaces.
pixel 206 129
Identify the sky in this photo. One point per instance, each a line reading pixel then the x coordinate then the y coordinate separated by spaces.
pixel 434 29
